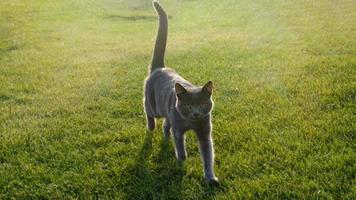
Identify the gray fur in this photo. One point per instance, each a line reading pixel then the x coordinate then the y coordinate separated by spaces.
pixel 161 40
pixel 183 105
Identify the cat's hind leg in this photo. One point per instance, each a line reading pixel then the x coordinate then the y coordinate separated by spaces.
pixel 148 110
pixel 150 122
pixel 166 129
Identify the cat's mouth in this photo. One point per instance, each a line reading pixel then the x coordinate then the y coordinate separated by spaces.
pixel 192 118
pixel 200 118
pixel 196 118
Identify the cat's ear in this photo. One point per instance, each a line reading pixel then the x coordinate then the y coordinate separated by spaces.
pixel 208 88
pixel 180 90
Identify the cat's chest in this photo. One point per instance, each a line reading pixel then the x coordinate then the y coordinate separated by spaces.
pixel 187 125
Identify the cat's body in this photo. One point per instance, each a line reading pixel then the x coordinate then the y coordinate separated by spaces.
pixel 182 105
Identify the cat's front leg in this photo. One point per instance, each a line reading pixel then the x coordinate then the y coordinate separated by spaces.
pixel 207 154
pixel 166 129
pixel 179 141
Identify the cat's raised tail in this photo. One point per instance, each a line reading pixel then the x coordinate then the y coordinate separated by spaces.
pixel 161 39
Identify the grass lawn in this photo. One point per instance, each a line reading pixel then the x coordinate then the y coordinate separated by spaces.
pixel 71 117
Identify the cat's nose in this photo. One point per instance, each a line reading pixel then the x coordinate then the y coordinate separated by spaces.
pixel 196 115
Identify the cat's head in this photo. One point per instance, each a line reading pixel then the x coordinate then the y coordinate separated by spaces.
pixel 194 104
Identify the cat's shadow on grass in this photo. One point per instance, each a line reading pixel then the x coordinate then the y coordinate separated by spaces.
pixel 160 180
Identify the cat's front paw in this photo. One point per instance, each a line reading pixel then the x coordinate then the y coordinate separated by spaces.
pixel 214 181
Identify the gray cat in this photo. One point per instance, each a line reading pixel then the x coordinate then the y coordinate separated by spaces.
pixel 182 105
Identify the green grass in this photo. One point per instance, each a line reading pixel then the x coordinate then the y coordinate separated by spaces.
pixel 71 115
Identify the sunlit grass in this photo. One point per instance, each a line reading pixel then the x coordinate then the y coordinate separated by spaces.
pixel 71 117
